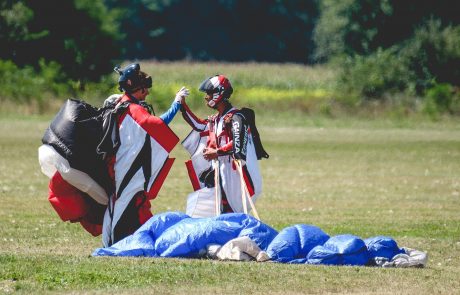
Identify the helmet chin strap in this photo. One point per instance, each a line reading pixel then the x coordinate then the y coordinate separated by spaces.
pixel 211 104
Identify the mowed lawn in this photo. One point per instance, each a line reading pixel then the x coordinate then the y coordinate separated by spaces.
pixel 345 176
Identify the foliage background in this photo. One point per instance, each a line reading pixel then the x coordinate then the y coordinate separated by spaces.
pixel 393 52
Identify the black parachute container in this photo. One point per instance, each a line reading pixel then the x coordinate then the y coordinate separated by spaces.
pixel 76 133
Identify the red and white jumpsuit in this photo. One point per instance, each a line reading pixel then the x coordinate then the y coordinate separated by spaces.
pixel 232 137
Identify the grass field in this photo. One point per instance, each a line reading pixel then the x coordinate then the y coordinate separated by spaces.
pixel 346 176
pixel 274 85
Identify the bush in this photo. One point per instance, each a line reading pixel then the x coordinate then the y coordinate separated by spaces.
pixel 38 87
pixel 17 84
pixel 32 87
pixel 375 75
pixel 425 61
pixel 441 98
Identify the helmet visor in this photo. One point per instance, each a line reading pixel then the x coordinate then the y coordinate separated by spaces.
pixel 147 82
pixel 207 87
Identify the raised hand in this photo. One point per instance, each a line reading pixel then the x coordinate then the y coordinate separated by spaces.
pixel 182 94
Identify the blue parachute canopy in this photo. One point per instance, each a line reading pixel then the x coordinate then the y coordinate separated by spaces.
pixel 175 234
pixel 295 242
pixel 340 250
pixel 382 246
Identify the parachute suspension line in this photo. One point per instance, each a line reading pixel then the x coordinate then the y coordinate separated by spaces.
pixel 217 186
pixel 243 187
pixel 244 191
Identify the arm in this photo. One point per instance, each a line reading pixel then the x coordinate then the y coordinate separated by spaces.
pixel 169 115
pixel 212 153
pixel 189 117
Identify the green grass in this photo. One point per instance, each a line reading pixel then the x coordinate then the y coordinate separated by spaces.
pixel 380 177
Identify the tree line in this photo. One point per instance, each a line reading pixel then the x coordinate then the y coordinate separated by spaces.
pixel 411 45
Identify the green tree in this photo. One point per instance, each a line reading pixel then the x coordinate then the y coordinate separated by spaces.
pixel 433 54
pixel 361 27
pixel 390 46
pixel 80 35
pixel 232 30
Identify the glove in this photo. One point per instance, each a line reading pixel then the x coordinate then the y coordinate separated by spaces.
pixel 182 93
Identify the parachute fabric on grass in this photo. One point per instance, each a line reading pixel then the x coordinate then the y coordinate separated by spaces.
pixel 295 242
pixel 382 246
pixel 175 234
pixel 340 250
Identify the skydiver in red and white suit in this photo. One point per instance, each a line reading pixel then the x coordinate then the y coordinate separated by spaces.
pixel 231 135
pixel 141 161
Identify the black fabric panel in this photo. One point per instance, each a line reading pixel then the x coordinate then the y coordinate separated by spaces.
pixel 75 133
pixel 96 211
pixel 129 220
pixel 207 177
pixel 240 137
pixel 251 119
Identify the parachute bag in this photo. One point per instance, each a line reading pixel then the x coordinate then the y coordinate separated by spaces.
pixel 75 134
pixel 72 145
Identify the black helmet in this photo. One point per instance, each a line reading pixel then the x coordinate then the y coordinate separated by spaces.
pixel 219 87
pixel 132 78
